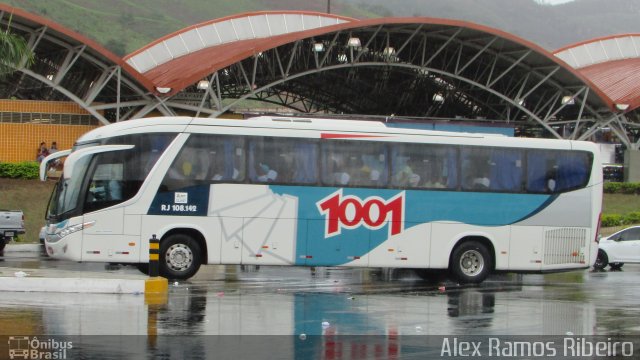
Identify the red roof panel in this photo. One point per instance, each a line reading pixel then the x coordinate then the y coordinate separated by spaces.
pixel 619 79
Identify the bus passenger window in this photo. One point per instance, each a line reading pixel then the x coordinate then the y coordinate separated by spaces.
pixel 226 158
pixel 424 166
pixel 476 168
pixel 406 172
pixel 506 170
pixel 355 163
pixel 305 157
pixel 557 171
pixel 191 164
pixel 282 160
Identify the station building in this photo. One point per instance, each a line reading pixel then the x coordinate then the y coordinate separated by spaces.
pixel 422 72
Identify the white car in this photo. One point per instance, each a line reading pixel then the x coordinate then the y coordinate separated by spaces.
pixel 619 248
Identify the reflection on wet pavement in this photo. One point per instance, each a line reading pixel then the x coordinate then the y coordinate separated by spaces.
pixel 247 300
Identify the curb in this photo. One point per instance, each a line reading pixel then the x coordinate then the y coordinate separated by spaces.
pixel 60 281
pixel 72 285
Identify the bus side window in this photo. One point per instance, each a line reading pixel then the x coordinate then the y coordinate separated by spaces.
pixel 356 163
pixel 557 171
pixel 226 156
pixel 424 166
pixel 506 171
pixel 305 158
pixel 476 168
pixel 266 160
pixel 573 170
pixel 539 170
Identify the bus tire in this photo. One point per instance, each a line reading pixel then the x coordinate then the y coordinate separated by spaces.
pixel 470 262
pixel 601 261
pixel 180 257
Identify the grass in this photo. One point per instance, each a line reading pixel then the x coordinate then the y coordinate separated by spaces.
pixel 620 204
pixel 32 196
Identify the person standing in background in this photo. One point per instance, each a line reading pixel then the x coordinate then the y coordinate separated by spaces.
pixel 43 152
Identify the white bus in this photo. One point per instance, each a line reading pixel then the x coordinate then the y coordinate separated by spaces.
pixel 318 192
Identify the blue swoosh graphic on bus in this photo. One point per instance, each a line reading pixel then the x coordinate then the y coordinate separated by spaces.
pixel 483 209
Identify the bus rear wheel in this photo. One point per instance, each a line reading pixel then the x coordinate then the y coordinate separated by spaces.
pixel 180 257
pixel 470 262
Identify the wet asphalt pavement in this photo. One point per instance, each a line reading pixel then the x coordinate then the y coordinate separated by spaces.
pixel 300 302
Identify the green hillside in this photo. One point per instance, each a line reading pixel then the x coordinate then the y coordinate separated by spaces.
pixel 126 25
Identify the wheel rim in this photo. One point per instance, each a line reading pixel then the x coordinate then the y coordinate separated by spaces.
pixel 179 257
pixel 471 263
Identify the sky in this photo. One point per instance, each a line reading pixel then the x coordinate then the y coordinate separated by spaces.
pixel 554 2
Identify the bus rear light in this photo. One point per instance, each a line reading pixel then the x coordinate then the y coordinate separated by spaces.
pixel 258 255
pixel 597 239
pixel 401 258
pixel 353 257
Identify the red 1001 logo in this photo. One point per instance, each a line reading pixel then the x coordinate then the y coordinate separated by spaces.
pixel 350 212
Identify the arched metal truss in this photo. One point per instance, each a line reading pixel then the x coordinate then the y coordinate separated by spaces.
pixel 427 71
pixel 70 67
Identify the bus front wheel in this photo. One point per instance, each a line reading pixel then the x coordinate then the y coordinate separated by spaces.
pixel 471 262
pixel 180 257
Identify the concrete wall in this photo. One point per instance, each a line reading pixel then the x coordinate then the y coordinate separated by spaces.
pixel 20 136
pixel 632 166
pixel 20 142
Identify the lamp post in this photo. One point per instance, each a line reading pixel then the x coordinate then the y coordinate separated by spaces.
pixel 328 6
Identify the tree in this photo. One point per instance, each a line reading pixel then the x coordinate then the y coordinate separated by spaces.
pixel 14 52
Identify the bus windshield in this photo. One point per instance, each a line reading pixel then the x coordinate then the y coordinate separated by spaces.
pixel 67 191
pixel 106 178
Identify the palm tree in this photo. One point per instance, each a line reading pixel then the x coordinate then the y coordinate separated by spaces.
pixel 14 52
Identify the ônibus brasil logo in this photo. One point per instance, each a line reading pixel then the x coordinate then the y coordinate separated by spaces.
pixel 350 212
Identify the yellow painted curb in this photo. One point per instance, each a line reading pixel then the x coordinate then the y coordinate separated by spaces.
pixel 156 285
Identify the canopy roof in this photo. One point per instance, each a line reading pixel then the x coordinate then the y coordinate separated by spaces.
pixel 425 69
pixel 612 64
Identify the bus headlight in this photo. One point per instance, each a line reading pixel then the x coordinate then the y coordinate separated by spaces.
pixel 55 237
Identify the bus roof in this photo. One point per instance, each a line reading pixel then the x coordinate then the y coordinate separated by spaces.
pixel 178 124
